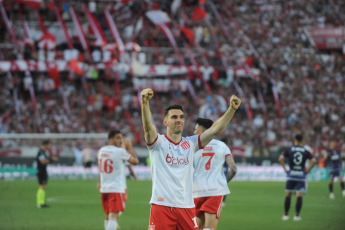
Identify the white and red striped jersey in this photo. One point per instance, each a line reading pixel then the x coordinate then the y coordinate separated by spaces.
pixel 112 169
pixel 172 170
pixel 208 177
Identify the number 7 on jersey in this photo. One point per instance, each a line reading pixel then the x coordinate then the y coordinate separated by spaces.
pixel 208 163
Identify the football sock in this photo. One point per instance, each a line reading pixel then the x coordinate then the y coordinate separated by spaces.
pixel 298 205
pixel 105 224
pixel 342 185
pixel 287 205
pixel 330 186
pixel 112 224
pixel 40 196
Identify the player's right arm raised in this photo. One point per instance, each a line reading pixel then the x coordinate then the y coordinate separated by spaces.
pixel 150 131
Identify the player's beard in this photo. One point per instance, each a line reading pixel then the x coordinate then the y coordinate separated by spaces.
pixel 178 130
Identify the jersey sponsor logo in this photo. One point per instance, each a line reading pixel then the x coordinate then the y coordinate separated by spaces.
pixel 335 157
pixel 185 145
pixel 176 161
pixel 160 199
pixel 208 148
pixel 104 155
pixel 296 173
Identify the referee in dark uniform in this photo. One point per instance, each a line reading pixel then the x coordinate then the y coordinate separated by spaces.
pixel 43 159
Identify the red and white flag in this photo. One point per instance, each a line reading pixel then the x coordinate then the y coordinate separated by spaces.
pixel 114 30
pixel 47 41
pixel 8 23
pixel 188 33
pixel 96 28
pixel 80 30
pixel 198 13
pixel 158 17
pixel 64 28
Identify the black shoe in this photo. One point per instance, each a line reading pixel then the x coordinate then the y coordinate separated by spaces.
pixel 43 206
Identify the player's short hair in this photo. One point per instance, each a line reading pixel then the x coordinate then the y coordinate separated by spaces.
pixel 166 111
pixel 112 133
pixel 204 122
pixel 45 142
pixel 299 137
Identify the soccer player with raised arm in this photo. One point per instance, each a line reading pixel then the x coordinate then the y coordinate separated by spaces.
pixel 333 160
pixel 296 175
pixel 112 179
pixel 209 182
pixel 172 205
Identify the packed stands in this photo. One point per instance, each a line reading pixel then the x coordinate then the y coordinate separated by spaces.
pixel 79 66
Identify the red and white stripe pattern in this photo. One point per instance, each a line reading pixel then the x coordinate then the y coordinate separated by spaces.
pixel 185 145
pixel 8 24
pixel 80 31
pixel 101 41
pixel 62 23
pixel 220 208
pixel 114 30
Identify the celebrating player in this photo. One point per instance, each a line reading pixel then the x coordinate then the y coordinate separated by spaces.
pixel 112 179
pixel 334 167
pixel 296 175
pixel 209 182
pixel 172 205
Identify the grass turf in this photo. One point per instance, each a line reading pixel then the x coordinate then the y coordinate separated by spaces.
pixel 251 205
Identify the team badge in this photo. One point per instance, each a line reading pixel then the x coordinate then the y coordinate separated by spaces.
pixel 185 145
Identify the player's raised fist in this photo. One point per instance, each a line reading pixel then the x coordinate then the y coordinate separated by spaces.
pixel 146 95
pixel 235 102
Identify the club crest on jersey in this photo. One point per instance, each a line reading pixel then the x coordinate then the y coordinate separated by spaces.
pixel 176 161
pixel 185 145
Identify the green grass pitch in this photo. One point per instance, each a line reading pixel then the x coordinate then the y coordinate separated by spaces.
pixel 251 205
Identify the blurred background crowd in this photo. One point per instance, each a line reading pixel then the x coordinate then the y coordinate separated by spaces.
pixel 257 49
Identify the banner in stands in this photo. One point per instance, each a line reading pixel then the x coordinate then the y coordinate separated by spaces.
pixel 244 173
pixel 138 69
pixel 326 38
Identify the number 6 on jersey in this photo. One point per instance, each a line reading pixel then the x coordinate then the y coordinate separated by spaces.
pixel 106 167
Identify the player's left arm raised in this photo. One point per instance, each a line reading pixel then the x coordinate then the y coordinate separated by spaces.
pixel 219 125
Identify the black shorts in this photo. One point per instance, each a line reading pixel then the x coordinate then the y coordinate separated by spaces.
pixel 42 178
pixel 296 186
pixel 334 173
pixel 87 164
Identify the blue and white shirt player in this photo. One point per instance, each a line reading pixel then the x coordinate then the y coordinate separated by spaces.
pixel 296 176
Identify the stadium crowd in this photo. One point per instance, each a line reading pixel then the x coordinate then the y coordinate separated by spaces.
pixel 264 35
